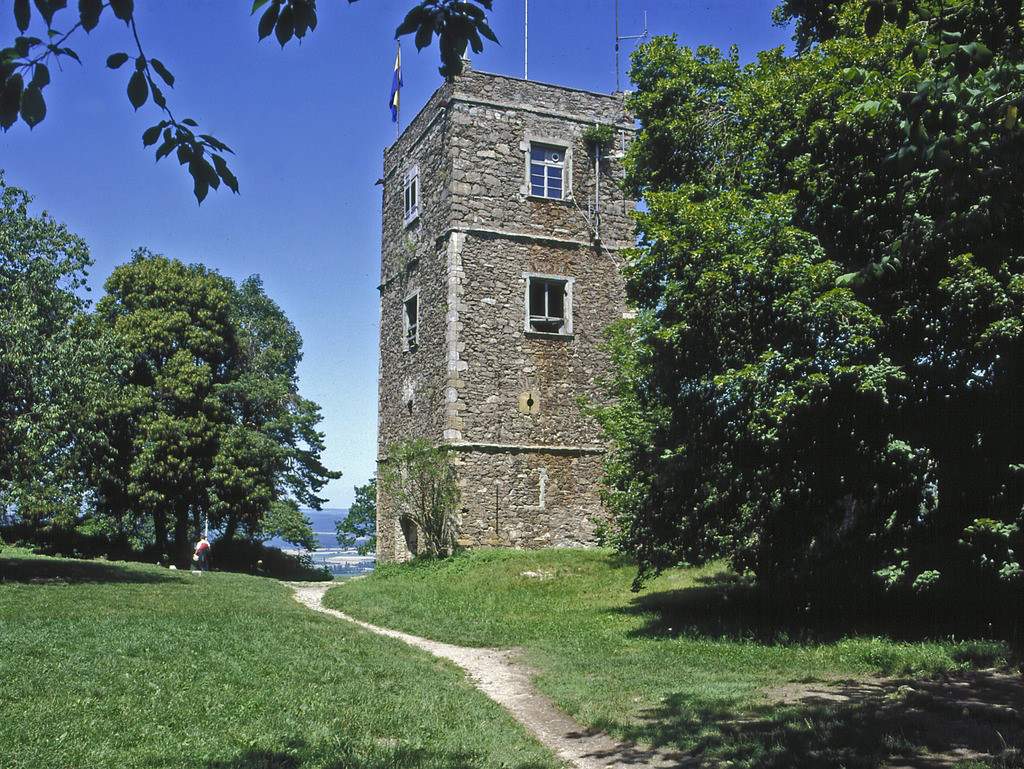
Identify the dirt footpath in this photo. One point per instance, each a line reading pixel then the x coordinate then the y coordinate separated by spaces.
pixel 499 675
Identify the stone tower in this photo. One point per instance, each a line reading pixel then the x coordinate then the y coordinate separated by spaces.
pixel 499 275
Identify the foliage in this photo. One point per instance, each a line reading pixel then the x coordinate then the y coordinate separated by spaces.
pixel 456 24
pixel 148 667
pixel 419 481
pixel 25 66
pixel 268 461
pixel 49 357
pixel 207 423
pixel 242 555
pixel 681 665
pixel 172 405
pixel 598 134
pixel 821 379
pixel 156 441
pixel 361 520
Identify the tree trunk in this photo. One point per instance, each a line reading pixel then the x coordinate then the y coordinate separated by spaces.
pixel 160 532
pixel 182 541
pixel 231 527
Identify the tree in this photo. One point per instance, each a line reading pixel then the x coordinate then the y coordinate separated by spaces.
pixel 268 457
pixel 49 362
pixel 25 65
pixel 361 521
pixel 177 345
pixel 419 482
pixel 207 424
pixel 822 377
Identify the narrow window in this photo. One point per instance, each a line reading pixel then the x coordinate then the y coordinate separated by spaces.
pixel 548 305
pixel 411 322
pixel 547 171
pixel 411 194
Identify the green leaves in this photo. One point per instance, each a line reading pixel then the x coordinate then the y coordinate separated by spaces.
pixel 123 9
pixel 33 106
pixel 40 76
pixel 361 521
pixel 268 19
pixel 89 13
pixel 201 154
pixel 18 99
pixel 22 14
pixel 46 346
pixel 901 257
pixel 456 25
pixel 285 27
pixel 10 100
pixel 179 138
pixel 152 134
pixel 138 89
pixel 874 18
pixel 225 173
pixel 286 18
pixel 162 71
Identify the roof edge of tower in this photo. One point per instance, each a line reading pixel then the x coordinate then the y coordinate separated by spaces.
pixel 618 95
pixel 452 86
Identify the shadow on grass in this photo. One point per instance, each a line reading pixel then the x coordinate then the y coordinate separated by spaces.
pixel 860 725
pixel 725 606
pixel 720 606
pixel 960 717
pixel 66 571
pixel 298 754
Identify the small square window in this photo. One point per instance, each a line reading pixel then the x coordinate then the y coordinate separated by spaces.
pixel 547 171
pixel 411 322
pixel 411 194
pixel 548 305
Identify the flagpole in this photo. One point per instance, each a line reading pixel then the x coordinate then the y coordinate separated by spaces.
pixel 398 107
pixel 526 39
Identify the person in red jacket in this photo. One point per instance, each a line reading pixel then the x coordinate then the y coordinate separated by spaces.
pixel 201 556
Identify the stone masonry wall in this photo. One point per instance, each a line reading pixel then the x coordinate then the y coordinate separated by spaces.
pixel 494 119
pixel 476 369
pixel 528 499
pixel 411 382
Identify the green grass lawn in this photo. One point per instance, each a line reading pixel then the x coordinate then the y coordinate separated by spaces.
pixel 679 664
pixel 126 665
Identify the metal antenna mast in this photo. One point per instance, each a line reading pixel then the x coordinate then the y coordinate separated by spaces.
pixel 526 39
pixel 618 38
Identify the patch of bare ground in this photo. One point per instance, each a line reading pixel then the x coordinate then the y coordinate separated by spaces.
pixel 931 723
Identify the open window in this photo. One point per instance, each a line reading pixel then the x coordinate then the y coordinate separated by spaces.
pixel 549 304
pixel 411 195
pixel 547 171
pixel 411 323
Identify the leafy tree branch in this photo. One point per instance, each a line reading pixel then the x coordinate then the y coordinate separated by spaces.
pixel 25 71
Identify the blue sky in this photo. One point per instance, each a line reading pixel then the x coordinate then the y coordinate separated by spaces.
pixel 309 125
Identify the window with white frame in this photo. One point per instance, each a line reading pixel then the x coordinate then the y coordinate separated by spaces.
pixel 411 322
pixel 411 194
pixel 547 171
pixel 549 304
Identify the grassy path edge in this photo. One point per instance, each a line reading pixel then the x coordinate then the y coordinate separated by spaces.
pixel 498 674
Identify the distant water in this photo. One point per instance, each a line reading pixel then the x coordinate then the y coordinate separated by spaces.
pixel 323 527
pixel 340 562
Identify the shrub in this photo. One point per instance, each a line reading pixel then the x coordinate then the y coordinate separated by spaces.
pixel 420 481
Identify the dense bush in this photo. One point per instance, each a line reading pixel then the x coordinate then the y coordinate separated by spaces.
pixel 257 558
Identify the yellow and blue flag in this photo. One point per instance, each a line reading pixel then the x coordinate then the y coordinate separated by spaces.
pixel 396 85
